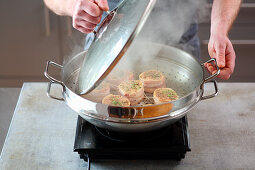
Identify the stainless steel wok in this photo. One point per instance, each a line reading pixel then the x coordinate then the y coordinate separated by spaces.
pixel 183 73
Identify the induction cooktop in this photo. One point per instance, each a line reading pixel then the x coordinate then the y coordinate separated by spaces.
pixel 92 143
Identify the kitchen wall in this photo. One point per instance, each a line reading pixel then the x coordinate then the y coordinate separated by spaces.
pixel 31 35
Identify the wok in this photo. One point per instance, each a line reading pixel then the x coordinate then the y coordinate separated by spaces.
pixel 183 73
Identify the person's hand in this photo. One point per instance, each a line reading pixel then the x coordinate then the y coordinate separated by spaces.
pixel 87 14
pixel 220 48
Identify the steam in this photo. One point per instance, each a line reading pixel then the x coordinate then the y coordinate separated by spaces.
pixel 167 23
pixel 170 19
pixel 75 46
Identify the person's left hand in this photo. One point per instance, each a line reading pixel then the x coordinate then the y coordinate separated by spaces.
pixel 220 48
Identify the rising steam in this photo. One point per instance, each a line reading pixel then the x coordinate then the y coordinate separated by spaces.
pixel 167 23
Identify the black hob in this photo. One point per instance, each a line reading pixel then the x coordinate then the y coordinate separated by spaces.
pixel 93 143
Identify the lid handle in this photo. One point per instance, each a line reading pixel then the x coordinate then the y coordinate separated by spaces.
pixel 103 26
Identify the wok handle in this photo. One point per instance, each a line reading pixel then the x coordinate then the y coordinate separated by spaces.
pixel 215 74
pixel 50 95
pixel 214 94
pixel 53 80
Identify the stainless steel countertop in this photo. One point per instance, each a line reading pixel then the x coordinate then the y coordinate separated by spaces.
pixel 222 134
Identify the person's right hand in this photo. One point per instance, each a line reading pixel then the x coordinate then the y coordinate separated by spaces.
pixel 221 48
pixel 88 13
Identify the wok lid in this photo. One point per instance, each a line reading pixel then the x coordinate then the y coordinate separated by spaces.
pixel 112 39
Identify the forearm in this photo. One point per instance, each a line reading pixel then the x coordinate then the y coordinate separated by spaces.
pixel 61 7
pixel 223 15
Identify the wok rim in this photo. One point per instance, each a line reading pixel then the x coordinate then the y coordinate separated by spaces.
pixel 200 86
